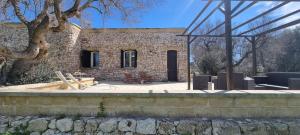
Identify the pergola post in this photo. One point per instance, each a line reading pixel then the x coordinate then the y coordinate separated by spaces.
pixel 254 62
pixel 188 62
pixel 228 39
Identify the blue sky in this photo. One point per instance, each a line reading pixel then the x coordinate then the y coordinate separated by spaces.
pixel 179 13
pixel 166 14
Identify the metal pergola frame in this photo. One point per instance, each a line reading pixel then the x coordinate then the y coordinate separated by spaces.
pixel 231 13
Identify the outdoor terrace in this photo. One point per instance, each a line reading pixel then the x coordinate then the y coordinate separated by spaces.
pixel 120 87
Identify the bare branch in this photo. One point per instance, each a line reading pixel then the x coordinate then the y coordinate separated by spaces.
pixel 30 53
pixel 86 5
pixel 18 11
pixel 43 13
pixel 97 9
pixel 74 9
pixel 2 62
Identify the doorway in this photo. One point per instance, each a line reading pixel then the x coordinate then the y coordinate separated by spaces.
pixel 172 65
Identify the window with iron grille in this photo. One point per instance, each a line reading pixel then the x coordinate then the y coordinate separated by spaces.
pixel 90 59
pixel 128 58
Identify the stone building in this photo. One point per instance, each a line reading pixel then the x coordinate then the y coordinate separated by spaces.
pixel 108 53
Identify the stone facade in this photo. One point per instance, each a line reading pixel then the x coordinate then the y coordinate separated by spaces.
pixel 65 51
pixel 76 125
pixel 151 46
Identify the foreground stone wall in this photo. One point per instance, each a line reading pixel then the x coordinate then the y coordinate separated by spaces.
pixel 151 104
pixel 58 125
pixel 151 46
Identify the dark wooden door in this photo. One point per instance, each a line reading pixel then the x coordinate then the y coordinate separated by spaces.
pixel 172 65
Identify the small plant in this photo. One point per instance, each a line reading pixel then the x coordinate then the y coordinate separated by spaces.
pixel 101 111
pixel 20 130
pixel 6 133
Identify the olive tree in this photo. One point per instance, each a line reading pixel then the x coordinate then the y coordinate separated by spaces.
pixel 209 52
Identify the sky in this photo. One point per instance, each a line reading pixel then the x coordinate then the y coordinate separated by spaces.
pixel 179 14
pixel 165 14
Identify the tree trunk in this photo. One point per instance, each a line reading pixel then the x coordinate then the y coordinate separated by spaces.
pixel 36 50
pixel 3 72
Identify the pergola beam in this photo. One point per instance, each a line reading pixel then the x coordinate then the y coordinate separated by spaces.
pixel 233 16
pixel 270 22
pixel 211 13
pixel 238 6
pixel 244 9
pixel 198 15
pixel 260 15
pixel 260 0
pixel 220 36
pixel 280 27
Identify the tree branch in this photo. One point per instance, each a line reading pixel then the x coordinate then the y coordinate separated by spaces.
pixel 58 14
pixel 237 63
pixel 63 16
pixel 73 10
pixel 2 62
pixel 18 12
pixel 120 8
pixel 97 9
pixel 43 13
pixel 86 5
pixel 30 53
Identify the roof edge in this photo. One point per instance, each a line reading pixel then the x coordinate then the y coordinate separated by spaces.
pixel 172 30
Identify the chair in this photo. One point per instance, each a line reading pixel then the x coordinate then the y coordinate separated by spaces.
pixel 200 82
pixel 84 86
pixel 64 80
pixel 240 82
pixel 81 85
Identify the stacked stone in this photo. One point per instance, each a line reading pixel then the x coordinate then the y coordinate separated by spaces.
pixel 35 125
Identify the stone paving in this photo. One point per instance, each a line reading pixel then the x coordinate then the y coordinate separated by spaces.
pixel 155 87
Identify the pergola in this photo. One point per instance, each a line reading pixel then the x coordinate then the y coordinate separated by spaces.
pixel 231 13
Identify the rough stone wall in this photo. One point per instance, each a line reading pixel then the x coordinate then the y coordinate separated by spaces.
pixel 63 51
pixel 76 125
pixel 151 45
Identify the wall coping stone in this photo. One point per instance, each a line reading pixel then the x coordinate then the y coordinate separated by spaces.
pixel 224 94
pixel 133 30
pixel 155 30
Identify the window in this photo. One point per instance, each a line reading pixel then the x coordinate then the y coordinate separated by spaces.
pixel 90 59
pixel 128 58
